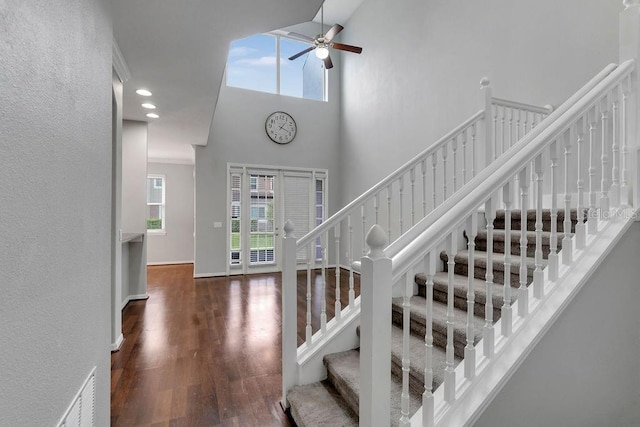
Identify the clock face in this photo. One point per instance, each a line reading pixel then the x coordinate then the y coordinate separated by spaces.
pixel 280 127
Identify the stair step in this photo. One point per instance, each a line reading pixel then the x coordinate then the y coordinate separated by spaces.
pixel 499 241
pixel 460 286
pixel 320 404
pixel 480 266
pixel 516 219
pixel 417 360
pixel 343 371
pixel 419 322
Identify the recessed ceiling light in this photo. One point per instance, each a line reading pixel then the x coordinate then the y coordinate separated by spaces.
pixel 143 92
pixel 149 106
pixel 153 116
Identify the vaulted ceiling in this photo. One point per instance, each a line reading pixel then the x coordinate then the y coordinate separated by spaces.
pixel 178 51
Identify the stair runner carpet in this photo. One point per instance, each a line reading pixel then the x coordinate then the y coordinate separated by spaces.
pixel 334 401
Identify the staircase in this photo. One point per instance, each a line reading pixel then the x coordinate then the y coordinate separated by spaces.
pixel 467 262
pixel 334 401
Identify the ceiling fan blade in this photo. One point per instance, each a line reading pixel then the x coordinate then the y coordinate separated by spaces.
pixel 301 37
pixel 347 47
pixel 299 54
pixel 327 63
pixel 333 31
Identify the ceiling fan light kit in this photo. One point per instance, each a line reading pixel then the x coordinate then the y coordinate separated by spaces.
pixel 322 43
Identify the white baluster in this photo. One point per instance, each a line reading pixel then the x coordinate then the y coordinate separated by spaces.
pixel 464 157
pixel 454 149
pixel 428 408
pixel 592 222
pixel 518 129
pixel 526 122
pixel 308 329
pixel 376 207
pixel 352 293
pixel 389 199
pixel 503 131
pixel 506 317
pixel 567 246
pixel 363 212
pixel 625 189
pixel 289 312
pixel 487 331
pixel 338 303
pixel 538 275
pixel 553 252
pixel 434 162
pixel 375 332
pixel 423 169
pixel 496 148
pixel 511 135
pixel 580 228
pixel 604 181
pixel 474 156
pixel 401 204
pixel 615 152
pixel 412 179
pixel 523 295
pixel 445 148
pixel 449 371
pixel 469 349
pixel 323 302
pixel 405 420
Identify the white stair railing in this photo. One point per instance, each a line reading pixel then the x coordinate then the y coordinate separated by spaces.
pixel 398 202
pixel 550 147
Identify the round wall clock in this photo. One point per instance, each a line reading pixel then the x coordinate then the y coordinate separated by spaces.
pixel 280 127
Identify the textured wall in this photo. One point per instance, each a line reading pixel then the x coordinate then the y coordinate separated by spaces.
pixel 55 206
pixel 134 176
pixel 583 372
pixel 177 244
pixel 419 74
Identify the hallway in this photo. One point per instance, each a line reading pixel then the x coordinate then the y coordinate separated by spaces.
pixel 203 352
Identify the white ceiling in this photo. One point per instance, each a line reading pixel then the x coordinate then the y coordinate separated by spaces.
pixel 178 51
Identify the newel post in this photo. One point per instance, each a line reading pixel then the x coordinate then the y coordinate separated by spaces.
pixel 289 313
pixel 630 49
pixel 375 332
pixel 486 104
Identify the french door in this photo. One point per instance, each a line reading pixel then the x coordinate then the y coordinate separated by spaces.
pixel 261 199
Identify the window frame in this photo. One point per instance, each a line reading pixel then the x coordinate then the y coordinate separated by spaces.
pixel 279 35
pixel 163 204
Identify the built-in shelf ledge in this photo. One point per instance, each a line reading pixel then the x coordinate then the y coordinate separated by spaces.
pixel 132 237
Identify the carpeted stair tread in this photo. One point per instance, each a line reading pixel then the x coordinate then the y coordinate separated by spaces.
pixel 417 360
pixel 320 404
pixel 499 237
pixel 343 371
pixel 460 287
pixel 480 259
pixel 419 321
pixel 531 214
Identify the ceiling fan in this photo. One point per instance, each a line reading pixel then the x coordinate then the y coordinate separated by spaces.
pixel 322 43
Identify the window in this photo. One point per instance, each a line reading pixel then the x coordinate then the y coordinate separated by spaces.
pixel 155 203
pixel 253 64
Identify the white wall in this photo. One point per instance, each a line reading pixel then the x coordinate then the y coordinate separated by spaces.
pixel 55 209
pixel 419 73
pixel 176 246
pixel 238 136
pixel 584 371
pixel 134 176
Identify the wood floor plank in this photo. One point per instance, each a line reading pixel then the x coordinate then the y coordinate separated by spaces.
pixel 207 352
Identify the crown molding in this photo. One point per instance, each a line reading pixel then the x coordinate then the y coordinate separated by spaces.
pixel 119 64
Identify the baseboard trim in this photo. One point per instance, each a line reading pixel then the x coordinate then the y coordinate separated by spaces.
pixel 134 298
pixel 169 263
pixel 205 275
pixel 115 346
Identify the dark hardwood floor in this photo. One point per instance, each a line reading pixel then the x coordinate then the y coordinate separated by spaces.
pixel 207 352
